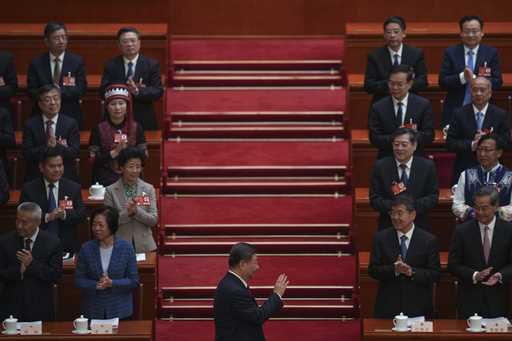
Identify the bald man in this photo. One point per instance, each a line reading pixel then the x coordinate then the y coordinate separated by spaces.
pixel 471 122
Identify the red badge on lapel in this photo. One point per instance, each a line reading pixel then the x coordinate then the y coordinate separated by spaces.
pixel 484 71
pixel 142 200
pixel 397 188
pixel 66 203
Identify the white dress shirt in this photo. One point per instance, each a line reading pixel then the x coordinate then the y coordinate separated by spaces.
pixel 399 53
pixel 404 106
pixel 408 165
pixel 52 62
pixel 466 50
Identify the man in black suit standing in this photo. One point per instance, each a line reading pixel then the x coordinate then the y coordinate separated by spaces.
pixel 471 122
pixel 141 74
pixel 463 62
pixel 481 259
pixel 381 60
pixel 30 263
pixel 404 173
pixel 8 82
pixel 237 315
pixel 59 67
pixel 60 200
pixel 405 261
pixel 50 129
pixel 400 109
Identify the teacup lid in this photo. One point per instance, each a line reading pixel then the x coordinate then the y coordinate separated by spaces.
pixel 11 319
pixel 97 185
pixel 81 318
pixel 401 316
pixel 476 316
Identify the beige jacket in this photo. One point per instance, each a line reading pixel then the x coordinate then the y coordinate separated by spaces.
pixel 139 227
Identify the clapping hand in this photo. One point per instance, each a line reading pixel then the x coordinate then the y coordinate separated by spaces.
pixel 104 283
pixel 402 268
pixel 468 75
pixel 131 207
pixel 25 258
pixel 481 275
pixel 495 278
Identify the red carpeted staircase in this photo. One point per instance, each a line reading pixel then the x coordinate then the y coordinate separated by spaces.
pixel 255 151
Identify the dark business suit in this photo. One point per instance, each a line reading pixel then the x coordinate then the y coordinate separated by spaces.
pixel 29 298
pixel 237 315
pixel 7 139
pixel 35 144
pixel 379 66
pixel 422 186
pixel 466 256
pixel 39 74
pixel 4 185
pixel 463 129
pixel 147 72
pixel 382 123
pixel 454 62
pixel 401 294
pixel 8 74
pixel 36 191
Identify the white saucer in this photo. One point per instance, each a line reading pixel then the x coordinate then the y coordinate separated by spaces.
pixel 95 198
pixel 82 333
pixel 475 330
pixel 4 332
pixel 401 330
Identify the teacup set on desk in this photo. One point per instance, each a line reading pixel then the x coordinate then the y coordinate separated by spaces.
pixel 9 325
pixel 96 192
pixel 13 327
pixel 402 323
pixel 81 325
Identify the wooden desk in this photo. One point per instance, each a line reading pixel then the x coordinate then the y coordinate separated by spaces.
pixel 432 37
pixel 446 330
pixel 68 300
pixel 128 330
pixel 444 295
pixel 360 101
pixel 151 170
pixel 365 219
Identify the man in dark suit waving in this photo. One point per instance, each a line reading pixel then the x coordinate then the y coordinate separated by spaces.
pixel 237 315
pixel 481 259
pixel 405 261
pixel 60 200
pixel 471 122
pixel 30 263
pixel 141 74
pixel 400 109
pixel 381 60
pixel 463 62
pixel 404 173
pixel 59 67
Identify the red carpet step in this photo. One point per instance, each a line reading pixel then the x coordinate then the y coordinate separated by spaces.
pixel 264 243
pixel 247 48
pixel 257 116
pixel 196 276
pixel 253 66
pixel 293 308
pixel 275 330
pixel 257 214
pixel 256 100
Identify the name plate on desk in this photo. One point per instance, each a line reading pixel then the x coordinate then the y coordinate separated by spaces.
pixel 101 328
pixel 29 328
pixel 422 327
pixel 497 327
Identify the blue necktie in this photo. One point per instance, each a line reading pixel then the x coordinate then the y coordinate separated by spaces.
pixel 403 247
pixel 130 70
pixel 52 226
pixel 395 59
pixel 479 120
pixel 404 178
pixel 467 95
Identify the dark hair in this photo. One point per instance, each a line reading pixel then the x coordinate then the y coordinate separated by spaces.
pixel 127 29
pixel 490 191
pixel 130 153
pixel 111 216
pixel 467 18
pixel 53 26
pixel 402 68
pixel 395 19
pixel 240 252
pixel 404 199
pixel 46 89
pixel 50 152
pixel 500 144
pixel 413 135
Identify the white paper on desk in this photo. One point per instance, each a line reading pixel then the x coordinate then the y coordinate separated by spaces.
pixel 415 319
pixel 141 257
pixel 114 322
pixel 19 324
pixel 494 320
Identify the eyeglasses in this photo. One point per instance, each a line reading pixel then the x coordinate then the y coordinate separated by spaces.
pixel 397 84
pixel 471 32
pixel 49 99
pixel 397 214
pixel 485 150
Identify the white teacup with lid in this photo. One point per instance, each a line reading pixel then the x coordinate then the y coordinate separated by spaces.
pixel 475 322
pixel 97 191
pixel 81 324
pixel 400 322
pixel 9 325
